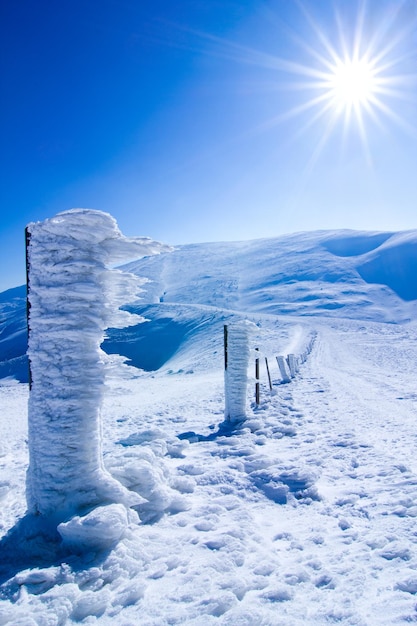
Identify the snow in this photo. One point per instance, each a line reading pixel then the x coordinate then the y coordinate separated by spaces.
pixel 354 274
pixel 99 529
pixel 303 513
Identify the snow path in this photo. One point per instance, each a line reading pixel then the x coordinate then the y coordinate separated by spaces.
pixel 304 516
pixel 368 478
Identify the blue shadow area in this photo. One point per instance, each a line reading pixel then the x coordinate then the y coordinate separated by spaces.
pixel 32 542
pixel 355 244
pixel 395 267
pixel 13 334
pixel 224 429
pixel 148 346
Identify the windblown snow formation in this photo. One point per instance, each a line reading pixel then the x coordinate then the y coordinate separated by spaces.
pixel 73 298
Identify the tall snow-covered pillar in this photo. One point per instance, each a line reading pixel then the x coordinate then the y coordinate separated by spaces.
pixel 73 298
pixel 236 370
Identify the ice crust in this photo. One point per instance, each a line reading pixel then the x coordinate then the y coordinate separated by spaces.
pixel 74 297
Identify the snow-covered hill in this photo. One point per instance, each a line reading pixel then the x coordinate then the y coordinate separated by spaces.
pixel 360 275
pixel 303 514
pixel 350 274
pixel 13 334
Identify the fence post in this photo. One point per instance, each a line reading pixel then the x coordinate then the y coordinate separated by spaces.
pixel 283 369
pixel 257 378
pixel 292 365
pixel 27 241
pixel 225 331
pixel 269 375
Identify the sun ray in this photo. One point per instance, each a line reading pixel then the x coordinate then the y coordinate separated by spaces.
pixel 320 113
pixel 358 34
pixel 318 31
pixel 400 121
pixel 384 40
pixel 362 133
pixel 343 45
pixel 321 144
pixel 372 111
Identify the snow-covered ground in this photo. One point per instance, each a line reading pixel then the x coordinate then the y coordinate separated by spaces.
pixel 303 514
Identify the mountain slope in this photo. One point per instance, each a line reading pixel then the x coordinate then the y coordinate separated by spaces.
pixel 13 334
pixel 349 274
pixel 344 273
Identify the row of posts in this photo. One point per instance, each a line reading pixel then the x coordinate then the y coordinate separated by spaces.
pixel 288 367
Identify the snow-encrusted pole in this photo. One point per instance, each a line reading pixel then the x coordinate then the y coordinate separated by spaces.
pixel 292 364
pixel 236 370
pixel 283 369
pixel 73 297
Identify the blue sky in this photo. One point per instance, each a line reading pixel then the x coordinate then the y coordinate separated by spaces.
pixel 205 121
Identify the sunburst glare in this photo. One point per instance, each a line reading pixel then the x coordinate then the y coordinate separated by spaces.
pixel 357 78
pixel 352 72
pixel 352 84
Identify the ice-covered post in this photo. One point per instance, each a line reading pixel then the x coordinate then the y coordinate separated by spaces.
pixel 73 297
pixel 283 369
pixel 292 364
pixel 236 370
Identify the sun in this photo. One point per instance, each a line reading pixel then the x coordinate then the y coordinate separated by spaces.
pixel 351 75
pixel 353 83
pixel 354 77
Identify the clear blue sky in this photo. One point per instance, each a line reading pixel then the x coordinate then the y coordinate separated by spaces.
pixel 201 120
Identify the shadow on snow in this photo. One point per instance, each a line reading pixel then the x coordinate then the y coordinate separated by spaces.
pixel 34 543
pixel 224 429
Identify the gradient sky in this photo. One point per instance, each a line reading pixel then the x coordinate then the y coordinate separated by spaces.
pixel 201 120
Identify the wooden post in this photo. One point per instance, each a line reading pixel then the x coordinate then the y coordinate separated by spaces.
pixel 225 345
pixel 257 378
pixel 269 375
pixel 27 241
